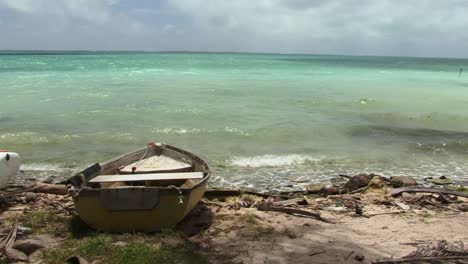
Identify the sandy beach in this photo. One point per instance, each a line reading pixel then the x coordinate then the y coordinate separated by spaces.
pixel 366 226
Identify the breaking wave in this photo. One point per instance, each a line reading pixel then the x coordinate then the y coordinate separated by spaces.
pixel 271 160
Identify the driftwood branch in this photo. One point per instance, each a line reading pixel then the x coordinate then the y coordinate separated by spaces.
pixel 40 187
pixel 414 259
pixel 228 192
pixel 345 176
pixel 427 190
pixel 6 246
pixel 297 212
pixel 294 201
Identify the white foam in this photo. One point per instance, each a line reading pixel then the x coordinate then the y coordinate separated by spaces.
pixel 271 160
pixel 41 167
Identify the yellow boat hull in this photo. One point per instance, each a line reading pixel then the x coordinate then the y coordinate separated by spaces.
pixel 165 214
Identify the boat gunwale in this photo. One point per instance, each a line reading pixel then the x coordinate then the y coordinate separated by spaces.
pixel 205 169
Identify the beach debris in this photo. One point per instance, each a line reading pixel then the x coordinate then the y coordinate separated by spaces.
pixel 402 181
pixel 402 206
pixel 292 211
pixel 377 182
pixel 6 246
pixel 358 209
pixel 339 209
pixel 359 257
pixel 30 197
pixel 317 253
pixel 40 187
pixel 349 255
pixel 294 201
pixel 358 181
pixel 77 260
pixel 442 180
pixel 330 190
pixel 28 246
pixel 434 252
pixel 461 207
pixel 315 188
pixel 219 192
pixel 399 191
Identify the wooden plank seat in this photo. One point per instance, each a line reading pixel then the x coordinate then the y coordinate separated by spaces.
pixel 147 177
pixel 156 164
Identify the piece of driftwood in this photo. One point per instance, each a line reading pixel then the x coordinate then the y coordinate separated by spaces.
pixel 294 201
pixel 345 176
pixel 360 190
pixel 234 192
pixel 386 213
pixel 40 187
pixel 427 190
pixel 317 253
pixel 349 255
pixel 293 211
pixel 439 259
pixel 6 246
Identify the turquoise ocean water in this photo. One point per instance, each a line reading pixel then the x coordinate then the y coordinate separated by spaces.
pixel 260 120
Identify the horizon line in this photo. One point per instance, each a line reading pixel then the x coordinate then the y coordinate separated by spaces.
pixel 52 52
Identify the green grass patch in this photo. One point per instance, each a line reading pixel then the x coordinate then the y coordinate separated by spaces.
pixel 135 249
pixel 457 188
pixel 77 239
pixel 45 222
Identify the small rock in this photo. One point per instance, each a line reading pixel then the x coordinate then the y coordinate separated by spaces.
pixel 462 207
pixel 315 188
pixel 338 181
pixel 291 235
pixel 28 246
pixel 358 181
pixel 24 230
pixel 359 257
pixel 402 181
pixel 77 260
pixel 336 209
pixel 120 243
pixel 15 254
pixel 403 206
pixel 30 197
pixel 442 180
pixel 329 190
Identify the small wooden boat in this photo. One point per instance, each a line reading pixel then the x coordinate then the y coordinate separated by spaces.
pixel 145 190
pixel 9 166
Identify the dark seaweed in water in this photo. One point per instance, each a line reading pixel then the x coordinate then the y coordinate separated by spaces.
pixel 408 133
pixel 420 139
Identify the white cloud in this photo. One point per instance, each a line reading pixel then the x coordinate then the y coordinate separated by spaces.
pixel 382 24
pixel 98 11
pixel 387 27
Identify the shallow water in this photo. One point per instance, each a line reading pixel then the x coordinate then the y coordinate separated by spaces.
pixel 261 120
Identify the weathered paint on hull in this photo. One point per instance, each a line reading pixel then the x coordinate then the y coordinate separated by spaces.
pixel 166 214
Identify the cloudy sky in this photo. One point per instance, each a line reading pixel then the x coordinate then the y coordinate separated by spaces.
pixel 368 27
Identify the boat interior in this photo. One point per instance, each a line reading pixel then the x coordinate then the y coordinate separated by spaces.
pixel 156 165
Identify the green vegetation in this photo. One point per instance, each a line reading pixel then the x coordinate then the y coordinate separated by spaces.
pixel 458 188
pixel 140 249
pixel 45 222
pixel 76 239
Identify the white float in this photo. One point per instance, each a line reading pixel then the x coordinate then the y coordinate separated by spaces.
pixel 9 166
